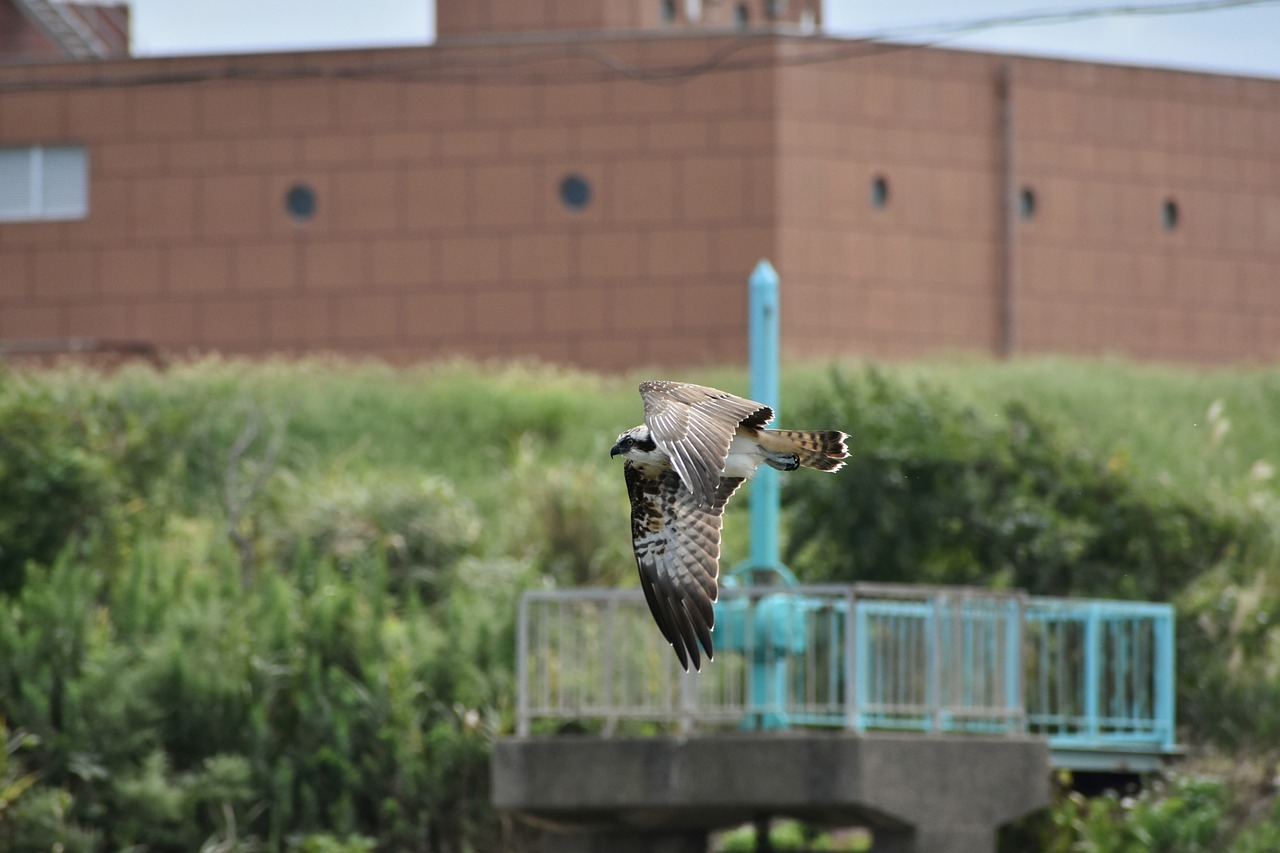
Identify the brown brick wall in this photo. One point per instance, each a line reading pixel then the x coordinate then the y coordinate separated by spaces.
pixel 918 274
pixel 439 230
pixel 438 226
pixel 1102 148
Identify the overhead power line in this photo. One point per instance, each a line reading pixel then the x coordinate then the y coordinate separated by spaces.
pixel 516 60
pixel 1049 17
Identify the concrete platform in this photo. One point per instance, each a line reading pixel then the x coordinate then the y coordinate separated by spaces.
pixel 934 793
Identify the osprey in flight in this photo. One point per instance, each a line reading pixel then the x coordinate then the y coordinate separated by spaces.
pixel 685 461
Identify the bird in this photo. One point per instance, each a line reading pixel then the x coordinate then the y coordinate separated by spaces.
pixel 697 445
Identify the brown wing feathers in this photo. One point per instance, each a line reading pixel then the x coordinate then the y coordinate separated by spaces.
pixel 677 547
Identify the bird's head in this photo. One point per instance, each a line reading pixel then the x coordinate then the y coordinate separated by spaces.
pixel 637 445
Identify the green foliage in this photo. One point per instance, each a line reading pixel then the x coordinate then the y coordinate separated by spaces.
pixel 571 519
pixel 14 780
pixel 420 528
pixel 325 843
pixel 934 493
pixel 316 701
pixel 1185 816
pixel 787 835
pixel 43 821
pixel 54 487
pixel 332 679
pixel 1181 813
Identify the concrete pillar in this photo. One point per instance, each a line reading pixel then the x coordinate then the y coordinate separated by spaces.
pixel 918 793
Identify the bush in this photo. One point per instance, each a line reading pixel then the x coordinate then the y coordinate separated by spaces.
pixel 421 529
pixel 315 701
pixel 934 494
pixel 55 487
pixel 1179 813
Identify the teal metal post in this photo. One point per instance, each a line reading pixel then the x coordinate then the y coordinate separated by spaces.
pixel 1093 670
pixel 768 666
pixel 762 327
pixel 1165 675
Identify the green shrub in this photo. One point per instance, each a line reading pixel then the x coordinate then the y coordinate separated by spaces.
pixel 571 519
pixel 325 843
pixel 934 493
pixel 314 700
pixel 420 528
pixel 1182 813
pixel 54 486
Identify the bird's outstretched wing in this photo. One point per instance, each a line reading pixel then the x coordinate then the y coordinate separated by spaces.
pixel 677 545
pixel 694 425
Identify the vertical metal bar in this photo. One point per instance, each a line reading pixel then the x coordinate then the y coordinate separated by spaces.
pixel 762 327
pixel 688 700
pixel 888 638
pixel 1067 690
pixel 522 668
pixel 1122 653
pixel 610 664
pixel 630 651
pixel 808 678
pixel 901 649
pixel 934 656
pixel 1014 670
pixel 851 694
pixel 1042 672
pixel 834 644
pixel 751 658
pixel 561 657
pixel 862 670
pixel 1164 677
pixel 576 689
pixel 1143 676
pixel 967 643
pixel 544 654
pixel 1092 669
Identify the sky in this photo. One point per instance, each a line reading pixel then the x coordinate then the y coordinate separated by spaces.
pixel 1239 41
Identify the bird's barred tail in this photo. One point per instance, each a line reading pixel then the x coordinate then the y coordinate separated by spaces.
pixel 822 449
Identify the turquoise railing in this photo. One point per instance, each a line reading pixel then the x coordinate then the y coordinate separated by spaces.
pixel 1095 678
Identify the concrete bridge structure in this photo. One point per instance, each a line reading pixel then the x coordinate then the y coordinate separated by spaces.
pixel 930 715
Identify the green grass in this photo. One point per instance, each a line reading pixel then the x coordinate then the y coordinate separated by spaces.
pixel 473 424
pixel 463 420
pixel 1154 419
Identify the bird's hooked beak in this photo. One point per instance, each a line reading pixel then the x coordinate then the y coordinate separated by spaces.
pixel 615 450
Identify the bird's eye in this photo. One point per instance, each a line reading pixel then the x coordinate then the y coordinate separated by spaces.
pixel 628 442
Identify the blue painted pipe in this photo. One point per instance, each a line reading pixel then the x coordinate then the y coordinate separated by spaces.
pixel 762 328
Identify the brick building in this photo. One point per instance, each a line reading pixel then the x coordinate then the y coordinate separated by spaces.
pixel 591 182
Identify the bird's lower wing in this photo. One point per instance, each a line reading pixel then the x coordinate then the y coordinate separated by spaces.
pixel 677 547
